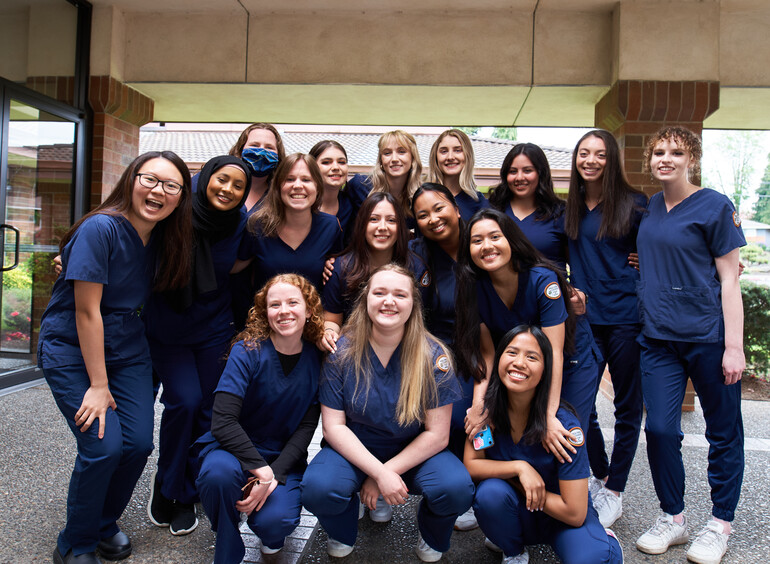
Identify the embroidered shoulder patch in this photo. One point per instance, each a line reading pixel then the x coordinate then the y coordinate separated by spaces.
pixel 736 219
pixel 552 291
pixel 425 280
pixel 576 437
pixel 442 363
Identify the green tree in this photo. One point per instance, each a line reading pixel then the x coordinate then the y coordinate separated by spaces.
pixel 469 130
pixel 505 133
pixel 731 173
pixel 762 207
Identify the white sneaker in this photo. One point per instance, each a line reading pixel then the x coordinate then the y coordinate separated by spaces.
pixel 466 521
pixel 522 558
pixel 337 549
pixel 609 507
pixel 491 546
pixel 710 545
pixel 425 552
pixel 267 550
pixel 662 535
pixel 595 485
pixel 383 513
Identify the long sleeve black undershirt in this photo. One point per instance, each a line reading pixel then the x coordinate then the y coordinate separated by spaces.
pixel 227 430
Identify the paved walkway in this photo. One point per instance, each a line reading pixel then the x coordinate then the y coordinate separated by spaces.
pixel 37 452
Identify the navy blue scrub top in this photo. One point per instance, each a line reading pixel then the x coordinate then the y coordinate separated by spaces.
pixel 272 256
pixel 468 206
pixel 334 296
pixel 346 214
pixel 547 236
pixel 538 302
pixel 550 469
pixel 210 317
pixel 107 250
pixel 440 311
pixel 600 268
pixel 680 295
pixel 274 403
pixel 371 414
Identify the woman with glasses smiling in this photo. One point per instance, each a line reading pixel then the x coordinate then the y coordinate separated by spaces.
pixel 93 349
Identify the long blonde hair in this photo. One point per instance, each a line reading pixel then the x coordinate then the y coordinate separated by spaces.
pixel 418 392
pixel 380 182
pixel 467 183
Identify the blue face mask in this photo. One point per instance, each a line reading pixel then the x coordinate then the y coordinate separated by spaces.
pixel 261 161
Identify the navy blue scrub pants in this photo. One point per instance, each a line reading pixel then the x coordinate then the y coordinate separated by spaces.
pixel 618 345
pixel 189 375
pixel 666 365
pixel 331 483
pixel 106 470
pixel 504 518
pixel 219 483
pixel 578 383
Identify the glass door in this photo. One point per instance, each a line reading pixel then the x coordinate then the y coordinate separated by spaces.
pixel 36 199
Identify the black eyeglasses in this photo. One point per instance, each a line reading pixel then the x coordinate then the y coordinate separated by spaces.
pixel 151 181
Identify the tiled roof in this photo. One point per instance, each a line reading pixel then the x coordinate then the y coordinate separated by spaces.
pixel 200 146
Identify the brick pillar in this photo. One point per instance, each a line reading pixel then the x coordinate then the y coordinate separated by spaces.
pixel 633 110
pixel 119 112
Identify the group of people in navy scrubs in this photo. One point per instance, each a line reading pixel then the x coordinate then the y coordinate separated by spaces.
pixel 417 319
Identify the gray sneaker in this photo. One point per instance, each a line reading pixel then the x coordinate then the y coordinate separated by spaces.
pixel 662 535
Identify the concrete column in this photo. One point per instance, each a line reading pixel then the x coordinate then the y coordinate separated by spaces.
pixel 119 112
pixel 633 110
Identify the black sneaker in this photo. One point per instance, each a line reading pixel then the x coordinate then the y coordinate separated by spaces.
pixel 160 510
pixel 184 520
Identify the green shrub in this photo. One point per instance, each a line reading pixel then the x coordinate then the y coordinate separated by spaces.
pixel 754 254
pixel 20 278
pixel 756 326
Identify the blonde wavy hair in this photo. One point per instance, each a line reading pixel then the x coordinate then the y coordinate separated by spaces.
pixel 418 392
pixel 467 183
pixel 379 180
pixel 257 327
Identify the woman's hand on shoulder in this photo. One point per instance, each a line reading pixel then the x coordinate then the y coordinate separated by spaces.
pixel 388 484
pixel 94 406
pixel 633 260
pixel 259 493
pixel 328 342
pixel 476 417
pixel 328 269
pixel 531 485
pixel 57 266
pixel 578 300
pixel 557 440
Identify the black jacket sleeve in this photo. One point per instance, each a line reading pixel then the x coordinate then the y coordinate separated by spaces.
pixel 295 449
pixel 228 431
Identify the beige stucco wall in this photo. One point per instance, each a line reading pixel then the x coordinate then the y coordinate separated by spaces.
pixel 108 42
pixel 51 38
pixel 13 39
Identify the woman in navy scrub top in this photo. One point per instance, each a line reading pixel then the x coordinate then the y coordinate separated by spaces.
pixel 261 147
pixel 386 398
pixel 379 237
pixel 189 332
pixel 601 221
pixel 398 171
pixel 525 194
pixel 265 413
pixel 525 495
pixel 451 165
pixel 441 226
pixel 93 349
pixel 289 233
pixel 503 282
pixel 692 327
pixel 332 161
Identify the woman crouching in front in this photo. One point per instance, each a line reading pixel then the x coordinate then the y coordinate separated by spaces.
pixel 386 401
pixel 525 495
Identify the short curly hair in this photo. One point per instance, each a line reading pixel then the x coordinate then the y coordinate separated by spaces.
pixel 257 327
pixel 683 137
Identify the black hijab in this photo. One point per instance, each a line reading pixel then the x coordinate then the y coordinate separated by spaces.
pixel 209 225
